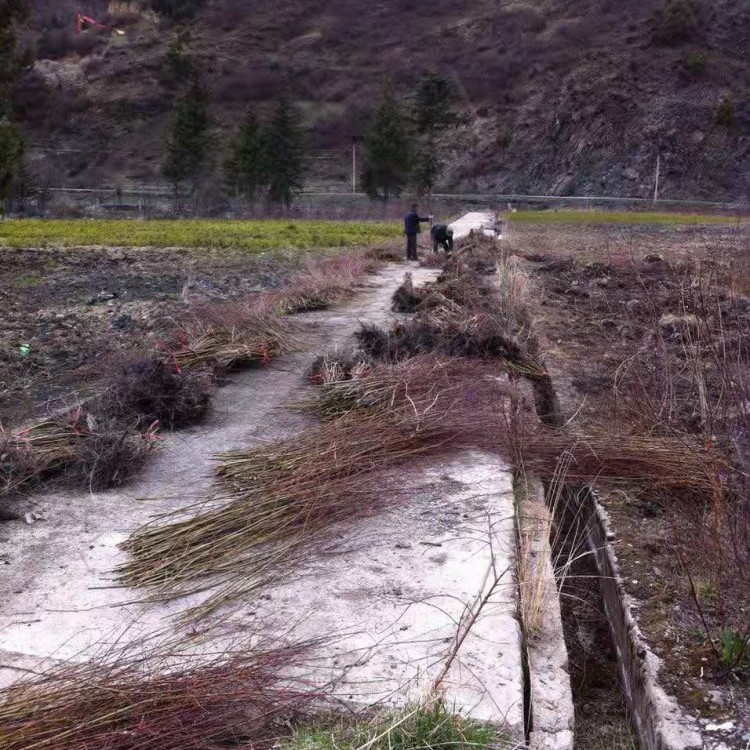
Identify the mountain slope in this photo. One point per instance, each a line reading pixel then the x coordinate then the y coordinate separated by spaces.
pixel 561 96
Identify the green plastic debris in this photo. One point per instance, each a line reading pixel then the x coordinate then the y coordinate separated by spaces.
pixel 25 350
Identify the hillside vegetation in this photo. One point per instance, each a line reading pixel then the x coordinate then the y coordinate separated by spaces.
pixel 558 96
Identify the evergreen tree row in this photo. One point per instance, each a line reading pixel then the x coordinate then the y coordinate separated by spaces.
pixel 402 141
pixel 265 161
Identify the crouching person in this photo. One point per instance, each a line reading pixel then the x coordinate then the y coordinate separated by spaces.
pixel 442 236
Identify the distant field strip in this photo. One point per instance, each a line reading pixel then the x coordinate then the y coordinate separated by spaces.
pixel 254 236
pixel 616 217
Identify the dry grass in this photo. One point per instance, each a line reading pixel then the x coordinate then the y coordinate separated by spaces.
pixel 322 282
pixel 164 698
pixel 536 581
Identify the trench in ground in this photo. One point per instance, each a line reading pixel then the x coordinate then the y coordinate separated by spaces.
pixel 602 720
pixel 601 716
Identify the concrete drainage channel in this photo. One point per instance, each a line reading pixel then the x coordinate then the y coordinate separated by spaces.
pixel 622 684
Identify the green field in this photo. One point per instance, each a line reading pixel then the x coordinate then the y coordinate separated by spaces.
pixel 616 217
pixel 254 236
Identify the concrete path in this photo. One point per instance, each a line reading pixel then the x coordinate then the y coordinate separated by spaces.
pixel 483 221
pixel 395 602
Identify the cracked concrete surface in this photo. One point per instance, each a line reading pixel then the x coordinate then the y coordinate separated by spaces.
pixel 394 604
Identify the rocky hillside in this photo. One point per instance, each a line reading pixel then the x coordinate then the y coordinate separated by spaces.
pixel 561 96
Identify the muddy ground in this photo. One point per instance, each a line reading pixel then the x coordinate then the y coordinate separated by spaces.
pixel 77 308
pixel 648 331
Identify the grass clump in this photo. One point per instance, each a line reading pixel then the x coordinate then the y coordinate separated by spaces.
pixel 253 236
pixel 428 727
pixel 725 111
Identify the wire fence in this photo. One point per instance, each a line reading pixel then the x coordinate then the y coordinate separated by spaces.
pixel 159 201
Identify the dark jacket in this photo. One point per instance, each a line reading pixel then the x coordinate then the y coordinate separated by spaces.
pixel 441 232
pixel 411 222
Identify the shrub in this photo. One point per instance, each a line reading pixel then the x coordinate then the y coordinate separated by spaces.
pixel 678 21
pixel 178 65
pixel 696 62
pixel 725 112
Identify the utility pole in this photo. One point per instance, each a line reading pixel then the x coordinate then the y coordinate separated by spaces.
pixel 656 181
pixel 354 167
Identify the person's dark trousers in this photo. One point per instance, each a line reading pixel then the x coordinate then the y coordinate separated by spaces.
pixel 411 247
pixel 447 246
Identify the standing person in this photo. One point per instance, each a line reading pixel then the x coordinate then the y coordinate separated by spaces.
pixel 412 220
pixel 442 234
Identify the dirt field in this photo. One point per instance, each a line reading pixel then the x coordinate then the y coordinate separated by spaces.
pixel 77 308
pixel 646 330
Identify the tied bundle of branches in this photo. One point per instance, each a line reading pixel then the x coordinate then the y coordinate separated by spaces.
pixel 93 452
pixel 159 700
pixel 464 391
pixel 222 338
pixel 462 315
pixel 475 337
pixel 490 414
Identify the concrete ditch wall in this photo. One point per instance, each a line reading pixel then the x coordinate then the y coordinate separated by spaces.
pixel 659 721
pixel 550 710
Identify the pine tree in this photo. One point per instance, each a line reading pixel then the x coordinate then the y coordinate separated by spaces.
pixel 432 113
pixel 11 158
pixel 388 150
pixel 11 141
pixel 13 11
pixel 189 145
pixel 432 110
pixel 285 154
pixel 427 166
pixel 247 168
